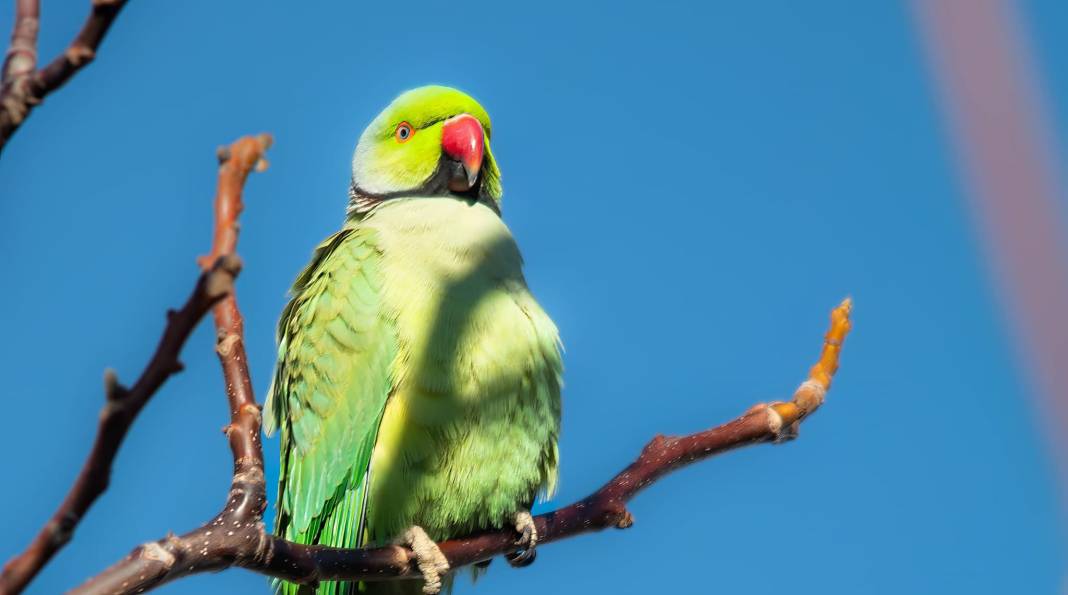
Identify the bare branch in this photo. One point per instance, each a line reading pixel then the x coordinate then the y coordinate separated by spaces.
pixel 22 86
pixel 120 409
pixel 238 530
pixel 249 494
pixel 236 536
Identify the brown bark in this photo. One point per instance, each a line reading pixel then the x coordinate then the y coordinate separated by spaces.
pixel 236 536
pixel 22 85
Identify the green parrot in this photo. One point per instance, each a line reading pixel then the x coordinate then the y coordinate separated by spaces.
pixel 417 386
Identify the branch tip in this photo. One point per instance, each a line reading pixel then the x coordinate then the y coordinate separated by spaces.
pixel 113 391
pixel 821 374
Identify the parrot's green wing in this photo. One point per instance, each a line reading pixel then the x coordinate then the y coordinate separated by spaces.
pixel 332 378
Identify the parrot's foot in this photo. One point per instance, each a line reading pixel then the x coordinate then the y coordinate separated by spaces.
pixel 428 557
pixel 528 540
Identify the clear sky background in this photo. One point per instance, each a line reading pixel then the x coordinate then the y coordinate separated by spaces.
pixel 694 187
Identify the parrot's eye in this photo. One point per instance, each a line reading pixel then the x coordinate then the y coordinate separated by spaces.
pixel 404 132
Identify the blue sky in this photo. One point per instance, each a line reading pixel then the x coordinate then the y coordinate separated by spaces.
pixel 694 186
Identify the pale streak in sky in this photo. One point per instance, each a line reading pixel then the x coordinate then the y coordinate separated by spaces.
pixel 991 95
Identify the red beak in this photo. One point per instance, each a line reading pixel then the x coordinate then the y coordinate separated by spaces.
pixel 462 140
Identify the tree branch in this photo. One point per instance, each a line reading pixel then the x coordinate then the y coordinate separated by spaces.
pixel 236 536
pixel 22 86
pixel 120 409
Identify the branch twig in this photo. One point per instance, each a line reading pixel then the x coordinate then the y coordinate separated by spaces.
pixel 121 408
pixel 231 531
pixel 236 536
pixel 22 86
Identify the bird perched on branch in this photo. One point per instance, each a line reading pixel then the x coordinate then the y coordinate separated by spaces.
pixel 417 386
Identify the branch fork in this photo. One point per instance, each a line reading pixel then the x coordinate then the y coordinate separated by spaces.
pixel 121 407
pixel 22 85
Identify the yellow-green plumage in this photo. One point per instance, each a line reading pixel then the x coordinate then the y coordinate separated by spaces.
pixel 418 381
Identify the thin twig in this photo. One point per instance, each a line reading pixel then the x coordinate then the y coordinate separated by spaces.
pixel 120 409
pixel 22 86
pixel 232 529
pixel 236 162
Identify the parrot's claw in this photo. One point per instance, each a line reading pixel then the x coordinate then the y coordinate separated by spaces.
pixel 528 541
pixel 428 557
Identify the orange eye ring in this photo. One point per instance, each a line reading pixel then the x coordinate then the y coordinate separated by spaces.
pixel 404 132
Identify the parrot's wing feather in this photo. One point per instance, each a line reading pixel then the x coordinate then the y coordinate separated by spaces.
pixel 336 346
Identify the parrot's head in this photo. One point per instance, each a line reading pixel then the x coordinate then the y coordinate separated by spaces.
pixel 431 141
